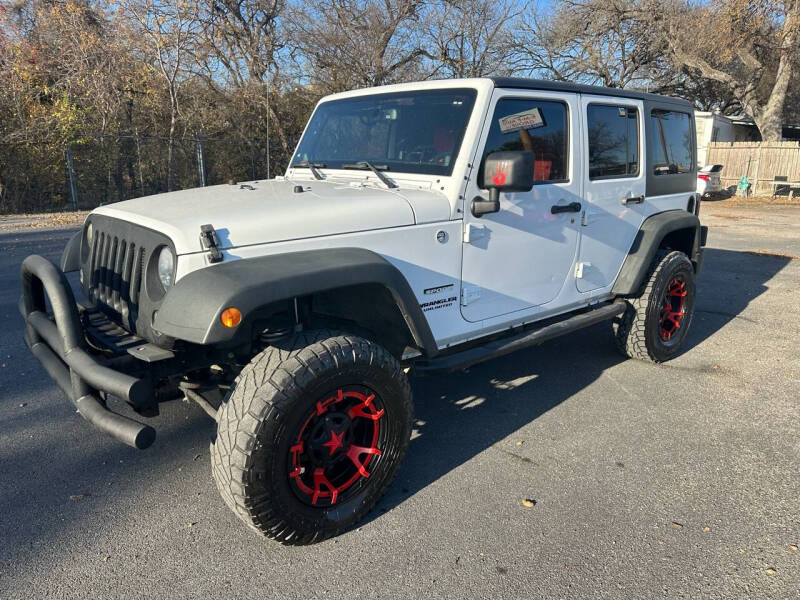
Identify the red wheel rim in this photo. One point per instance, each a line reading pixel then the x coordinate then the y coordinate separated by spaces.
pixel 335 445
pixel 672 309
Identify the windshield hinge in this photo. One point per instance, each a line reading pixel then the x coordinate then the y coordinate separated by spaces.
pixel 210 242
pixel 474 232
pixel 469 294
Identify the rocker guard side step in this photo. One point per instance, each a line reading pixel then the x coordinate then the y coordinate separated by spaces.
pixel 58 344
pixel 500 347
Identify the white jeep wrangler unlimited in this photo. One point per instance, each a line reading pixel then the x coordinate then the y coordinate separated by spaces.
pixel 423 227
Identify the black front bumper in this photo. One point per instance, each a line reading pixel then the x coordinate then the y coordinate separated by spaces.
pixel 58 342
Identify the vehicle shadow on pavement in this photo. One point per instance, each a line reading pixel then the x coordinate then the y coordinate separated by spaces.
pixel 459 415
pixel 464 413
pixel 729 281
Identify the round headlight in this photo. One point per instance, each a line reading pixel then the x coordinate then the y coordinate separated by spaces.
pixel 89 234
pixel 166 267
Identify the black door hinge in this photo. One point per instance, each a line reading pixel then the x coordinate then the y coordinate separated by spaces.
pixel 210 241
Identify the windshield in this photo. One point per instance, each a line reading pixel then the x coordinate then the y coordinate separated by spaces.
pixel 408 132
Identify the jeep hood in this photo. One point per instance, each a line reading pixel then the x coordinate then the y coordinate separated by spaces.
pixel 271 211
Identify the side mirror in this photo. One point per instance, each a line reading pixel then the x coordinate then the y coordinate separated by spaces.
pixel 504 172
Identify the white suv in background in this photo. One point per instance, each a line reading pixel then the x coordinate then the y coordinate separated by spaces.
pixel 709 183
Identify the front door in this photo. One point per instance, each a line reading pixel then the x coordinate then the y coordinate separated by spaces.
pixel 614 188
pixel 521 256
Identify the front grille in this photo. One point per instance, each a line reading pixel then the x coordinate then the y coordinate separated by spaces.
pixel 116 266
pixel 115 273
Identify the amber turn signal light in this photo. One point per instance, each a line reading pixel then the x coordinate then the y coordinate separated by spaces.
pixel 231 317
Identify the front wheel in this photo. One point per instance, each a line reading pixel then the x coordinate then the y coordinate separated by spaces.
pixel 656 322
pixel 311 435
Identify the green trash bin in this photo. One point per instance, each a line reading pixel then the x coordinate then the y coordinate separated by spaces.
pixel 743 188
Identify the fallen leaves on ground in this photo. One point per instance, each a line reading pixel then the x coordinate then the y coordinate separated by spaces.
pixel 772 254
pixel 44 220
pixel 754 202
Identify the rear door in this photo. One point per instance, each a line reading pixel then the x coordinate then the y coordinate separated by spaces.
pixel 614 187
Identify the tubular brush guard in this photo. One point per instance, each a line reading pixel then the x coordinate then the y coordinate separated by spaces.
pixel 58 343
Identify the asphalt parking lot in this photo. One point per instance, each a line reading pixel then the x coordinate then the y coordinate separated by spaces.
pixel 679 480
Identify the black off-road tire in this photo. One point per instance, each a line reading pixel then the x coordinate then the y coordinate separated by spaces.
pixel 638 331
pixel 278 394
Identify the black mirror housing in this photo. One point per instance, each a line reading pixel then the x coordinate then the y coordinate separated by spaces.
pixel 508 171
pixel 503 172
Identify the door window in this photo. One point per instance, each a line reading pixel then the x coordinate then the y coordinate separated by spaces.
pixel 670 139
pixel 538 126
pixel 613 141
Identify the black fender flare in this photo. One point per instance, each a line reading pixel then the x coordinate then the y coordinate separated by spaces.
pixel 192 307
pixel 652 232
pixel 71 256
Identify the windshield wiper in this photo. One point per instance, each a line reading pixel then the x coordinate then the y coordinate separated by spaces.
pixel 313 167
pixel 364 165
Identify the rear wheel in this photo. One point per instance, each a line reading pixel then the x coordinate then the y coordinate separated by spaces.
pixel 657 320
pixel 311 435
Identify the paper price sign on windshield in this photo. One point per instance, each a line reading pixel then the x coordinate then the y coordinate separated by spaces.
pixel 527 119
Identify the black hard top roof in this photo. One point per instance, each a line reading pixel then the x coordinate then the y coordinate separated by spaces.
pixel 578 88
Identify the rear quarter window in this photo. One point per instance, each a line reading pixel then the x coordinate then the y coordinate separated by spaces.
pixel 670 142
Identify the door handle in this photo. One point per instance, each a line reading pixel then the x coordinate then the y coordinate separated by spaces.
pixel 633 200
pixel 562 208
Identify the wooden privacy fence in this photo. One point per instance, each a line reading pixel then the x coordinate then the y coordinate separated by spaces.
pixel 761 162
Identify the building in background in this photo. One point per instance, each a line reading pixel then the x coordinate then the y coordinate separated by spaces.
pixel 713 127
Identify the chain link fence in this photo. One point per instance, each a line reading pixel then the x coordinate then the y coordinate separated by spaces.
pixel 105 169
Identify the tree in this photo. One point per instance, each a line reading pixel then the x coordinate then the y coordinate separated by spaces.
pixel 591 41
pixel 706 94
pixel 61 66
pixel 470 38
pixel 241 39
pixel 748 48
pixel 169 32
pixel 109 79
pixel 346 44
